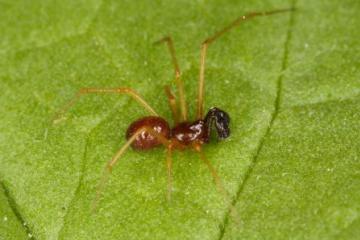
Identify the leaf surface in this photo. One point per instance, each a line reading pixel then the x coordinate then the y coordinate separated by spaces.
pixel 290 83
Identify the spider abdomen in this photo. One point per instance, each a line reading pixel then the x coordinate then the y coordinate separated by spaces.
pixel 145 140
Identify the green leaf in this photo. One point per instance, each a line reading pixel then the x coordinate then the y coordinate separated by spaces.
pixel 290 83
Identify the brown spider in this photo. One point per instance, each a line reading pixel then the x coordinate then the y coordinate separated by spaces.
pixel 151 131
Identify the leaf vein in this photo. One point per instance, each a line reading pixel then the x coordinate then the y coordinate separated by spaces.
pixel 82 171
pixel 15 209
pixel 277 104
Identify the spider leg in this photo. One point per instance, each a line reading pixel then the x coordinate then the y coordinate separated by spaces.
pixel 208 41
pixel 84 91
pixel 109 166
pixel 220 187
pixel 172 103
pixel 179 82
pixel 169 172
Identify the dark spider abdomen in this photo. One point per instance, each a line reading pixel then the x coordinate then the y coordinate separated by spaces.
pixel 145 140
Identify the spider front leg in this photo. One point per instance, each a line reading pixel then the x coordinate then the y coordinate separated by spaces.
pixel 208 41
pixel 128 91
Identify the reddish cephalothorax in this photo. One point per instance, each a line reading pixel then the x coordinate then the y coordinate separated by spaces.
pixel 152 131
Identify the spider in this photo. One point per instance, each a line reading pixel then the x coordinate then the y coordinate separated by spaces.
pixel 152 131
